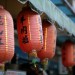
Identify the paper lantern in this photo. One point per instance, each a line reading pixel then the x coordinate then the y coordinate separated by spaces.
pixel 6 36
pixel 49 34
pixel 68 54
pixel 29 29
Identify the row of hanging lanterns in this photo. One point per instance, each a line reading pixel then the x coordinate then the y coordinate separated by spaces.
pixel 6 36
pixel 30 34
pixel 32 38
pixel 35 37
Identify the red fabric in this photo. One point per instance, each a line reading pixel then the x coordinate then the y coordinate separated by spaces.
pixel 6 36
pixel 68 56
pixel 49 34
pixel 33 30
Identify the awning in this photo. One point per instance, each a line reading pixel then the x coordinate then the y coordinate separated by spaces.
pixel 55 14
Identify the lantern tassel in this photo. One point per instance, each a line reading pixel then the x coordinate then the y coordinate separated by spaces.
pixel 45 63
pixel 33 54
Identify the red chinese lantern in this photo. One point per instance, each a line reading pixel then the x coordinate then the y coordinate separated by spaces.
pixel 68 54
pixel 49 34
pixel 6 36
pixel 29 29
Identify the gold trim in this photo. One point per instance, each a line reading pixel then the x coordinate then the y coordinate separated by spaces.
pixel 6 34
pixel 29 27
pixel 45 38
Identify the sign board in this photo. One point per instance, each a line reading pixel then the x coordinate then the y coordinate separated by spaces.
pixel 9 72
pixel 1 73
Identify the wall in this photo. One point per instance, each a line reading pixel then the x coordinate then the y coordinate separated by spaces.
pixel 13 6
